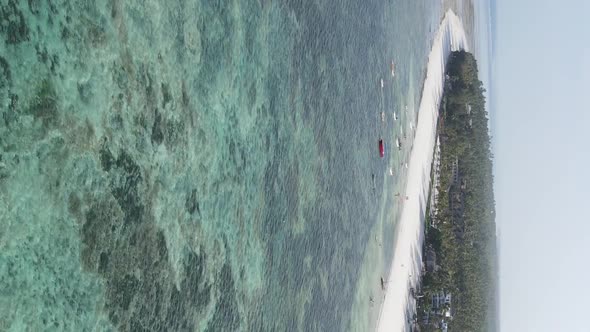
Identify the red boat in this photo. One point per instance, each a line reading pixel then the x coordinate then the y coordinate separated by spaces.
pixel 381 148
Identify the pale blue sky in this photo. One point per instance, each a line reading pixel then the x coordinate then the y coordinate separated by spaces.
pixel 541 124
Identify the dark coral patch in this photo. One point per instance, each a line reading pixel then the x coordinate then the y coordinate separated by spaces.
pixel 226 316
pixel 34 6
pixel 192 204
pixel 133 259
pixel 166 96
pixel 5 74
pixel 13 24
pixel 122 244
pixel 44 106
pixel 106 157
pixel 125 183
pixel 157 133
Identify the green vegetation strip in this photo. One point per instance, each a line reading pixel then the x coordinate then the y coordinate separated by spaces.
pixel 464 239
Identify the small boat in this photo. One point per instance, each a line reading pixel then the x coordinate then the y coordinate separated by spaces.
pixel 398 143
pixel 382 84
pixel 394 116
pixel 381 148
pixel 382 116
pixel 391 171
pixel 392 69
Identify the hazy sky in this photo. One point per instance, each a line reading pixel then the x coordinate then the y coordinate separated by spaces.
pixel 541 126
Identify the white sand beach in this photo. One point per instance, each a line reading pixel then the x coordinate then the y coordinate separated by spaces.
pixel 407 260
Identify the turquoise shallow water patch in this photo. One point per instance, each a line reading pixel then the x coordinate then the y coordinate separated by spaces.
pixel 194 165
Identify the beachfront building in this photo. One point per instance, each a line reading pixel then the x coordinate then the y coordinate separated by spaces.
pixel 447 299
pixel 441 305
pixel 440 312
pixel 441 299
pixel 469 114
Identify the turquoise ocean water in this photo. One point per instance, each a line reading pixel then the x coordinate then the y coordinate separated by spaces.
pixel 202 165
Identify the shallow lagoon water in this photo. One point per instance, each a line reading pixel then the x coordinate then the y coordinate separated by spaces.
pixel 204 165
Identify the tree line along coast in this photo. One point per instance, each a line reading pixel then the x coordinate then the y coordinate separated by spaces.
pixel 458 286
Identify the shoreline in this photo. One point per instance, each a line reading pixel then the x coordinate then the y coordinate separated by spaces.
pixel 407 259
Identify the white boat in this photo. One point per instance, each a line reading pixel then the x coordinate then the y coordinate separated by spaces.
pixel 394 116
pixel 382 84
pixel 392 69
